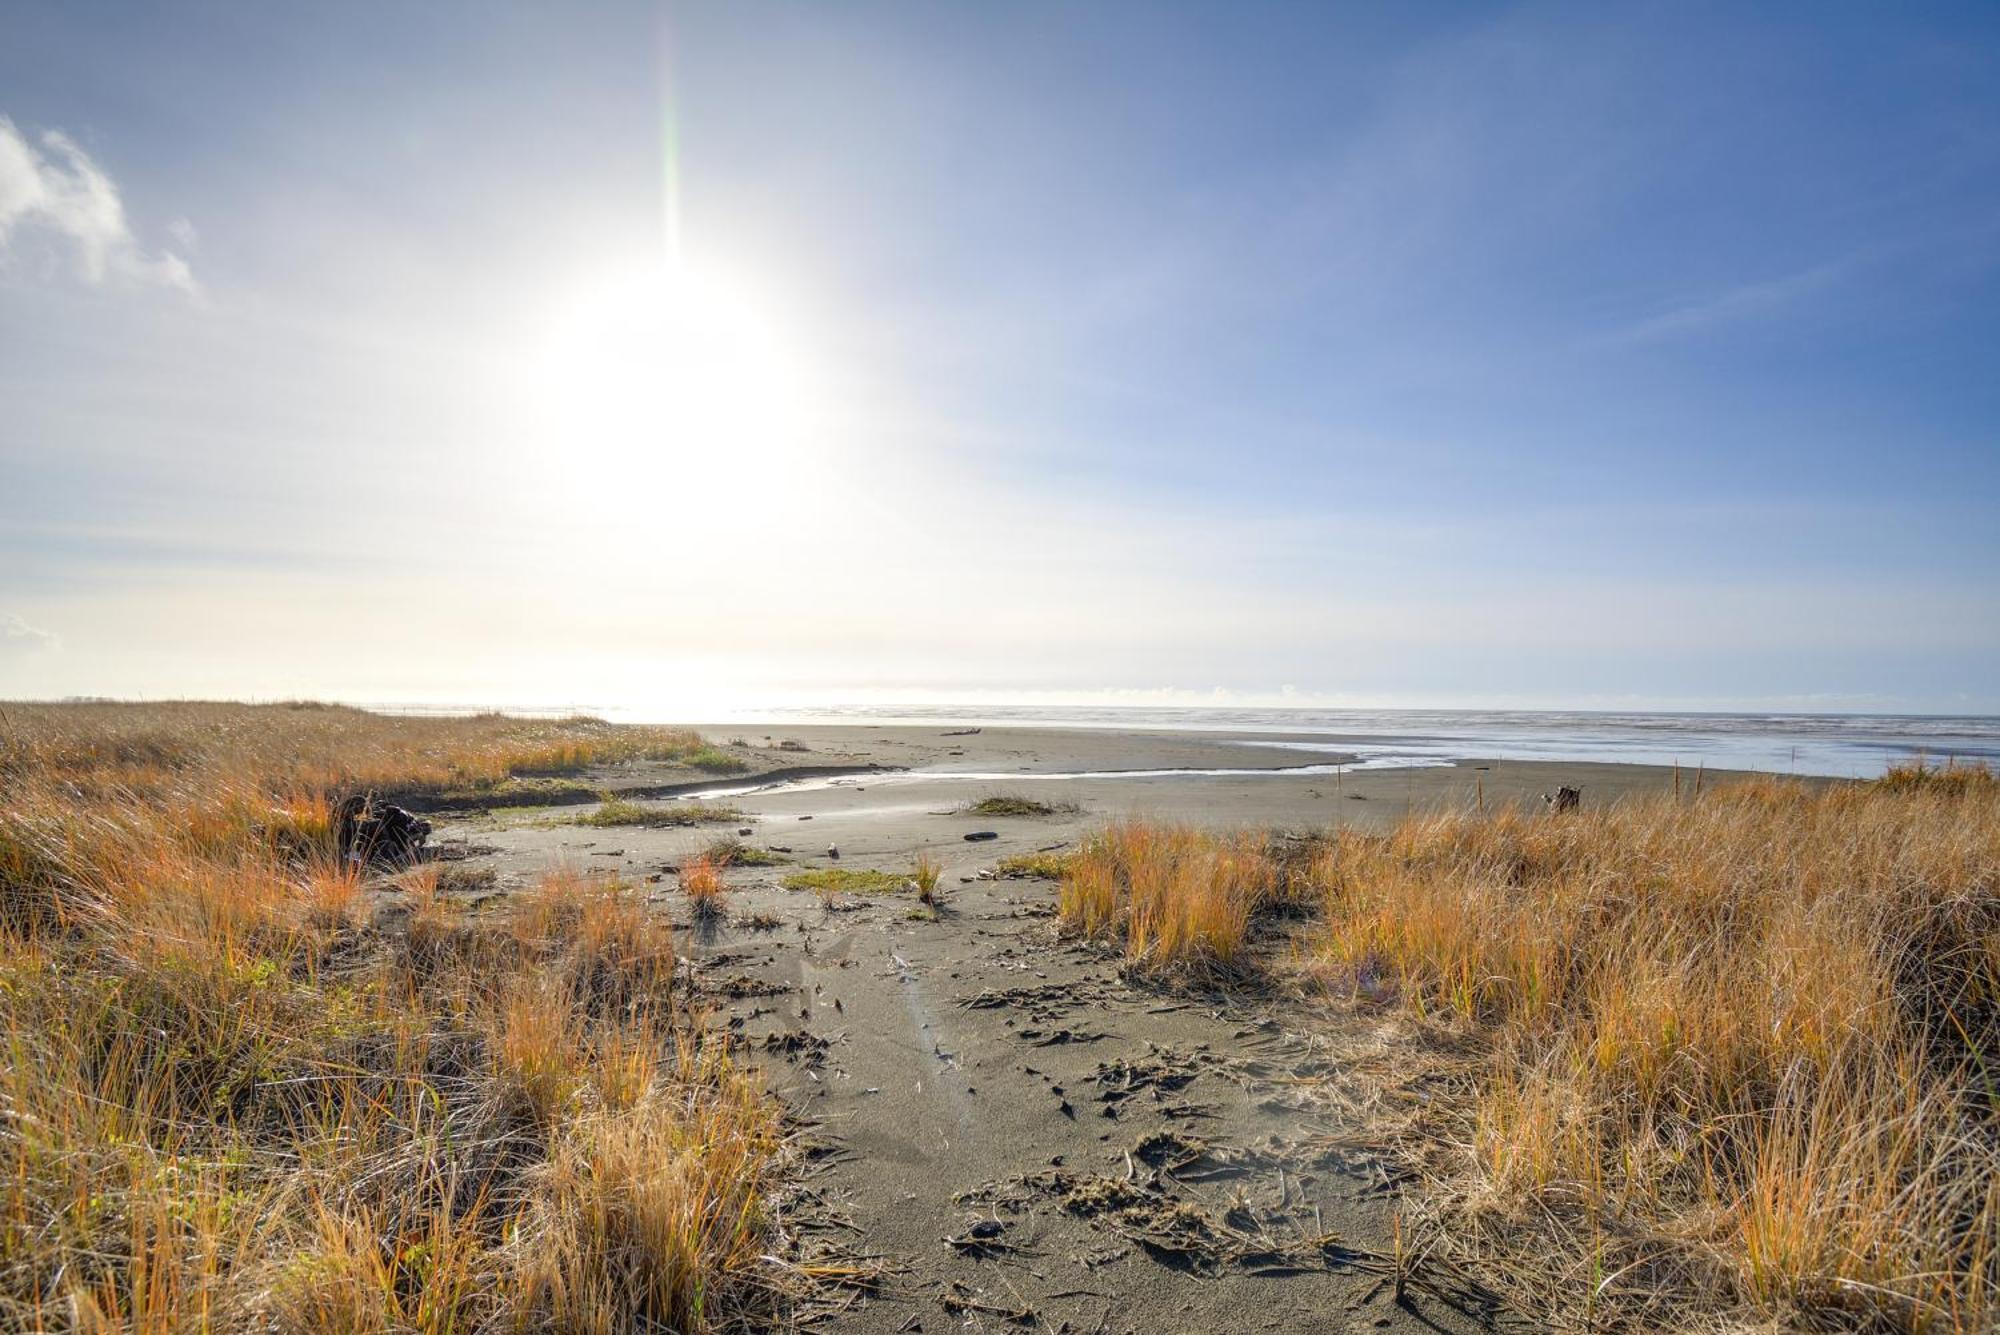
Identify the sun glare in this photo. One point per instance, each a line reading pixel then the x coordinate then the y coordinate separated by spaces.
pixel 671 375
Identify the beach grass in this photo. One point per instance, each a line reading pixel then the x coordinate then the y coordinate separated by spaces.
pixel 846 880
pixel 925 873
pixel 1037 866
pixel 170 745
pixel 249 1088
pixel 701 881
pixel 713 760
pixel 1175 896
pixel 730 851
pixel 1734 1059
pixel 614 812
pixel 1952 777
pixel 1738 1055
pixel 1017 804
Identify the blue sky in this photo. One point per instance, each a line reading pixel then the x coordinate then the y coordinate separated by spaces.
pixel 1563 355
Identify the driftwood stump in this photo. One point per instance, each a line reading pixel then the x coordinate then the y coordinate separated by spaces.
pixel 366 832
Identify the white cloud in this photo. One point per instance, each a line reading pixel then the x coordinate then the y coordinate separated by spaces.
pixel 18 634
pixel 57 188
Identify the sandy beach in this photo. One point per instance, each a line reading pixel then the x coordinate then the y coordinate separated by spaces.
pixel 908 1028
pixel 970 1072
pixel 945 766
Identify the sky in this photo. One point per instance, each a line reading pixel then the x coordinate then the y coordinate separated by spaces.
pixel 682 357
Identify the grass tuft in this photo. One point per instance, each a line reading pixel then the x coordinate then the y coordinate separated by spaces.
pixel 1044 866
pixel 925 875
pixel 701 882
pixel 616 812
pixel 1952 777
pixel 846 880
pixel 730 851
pixel 1178 897
pixel 713 760
pixel 1018 804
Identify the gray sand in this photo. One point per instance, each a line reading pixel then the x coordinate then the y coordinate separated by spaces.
pixel 1141 1159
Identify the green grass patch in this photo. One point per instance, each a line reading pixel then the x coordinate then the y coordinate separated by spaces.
pixel 1016 804
pixel 848 880
pixel 617 811
pixel 1047 866
pixel 729 851
pixel 505 794
pixel 714 760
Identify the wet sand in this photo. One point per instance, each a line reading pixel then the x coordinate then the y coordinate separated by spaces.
pixel 1015 758
pixel 1025 1138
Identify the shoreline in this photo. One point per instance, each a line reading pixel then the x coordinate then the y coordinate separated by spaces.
pixel 1207 779
pixel 1855 746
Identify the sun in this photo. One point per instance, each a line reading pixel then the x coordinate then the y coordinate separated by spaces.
pixel 671 375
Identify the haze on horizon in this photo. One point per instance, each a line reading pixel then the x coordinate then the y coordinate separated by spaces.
pixel 689 356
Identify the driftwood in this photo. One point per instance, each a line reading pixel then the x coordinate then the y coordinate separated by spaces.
pixel 372 833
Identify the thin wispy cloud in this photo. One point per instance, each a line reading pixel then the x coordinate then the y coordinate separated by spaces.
pixel 51 188
pixel 18 634
pixel 1755 300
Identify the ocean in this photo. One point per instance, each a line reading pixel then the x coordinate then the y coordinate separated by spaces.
pixel 1843 745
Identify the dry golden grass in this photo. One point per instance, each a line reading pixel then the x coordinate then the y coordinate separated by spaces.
pixel 1950 777
pixel 1740 1055
pixel 167 747
pixel 925 873
pixel 1178 897
pixel 1737 1060
pixel 243 1090
pixel 701 882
